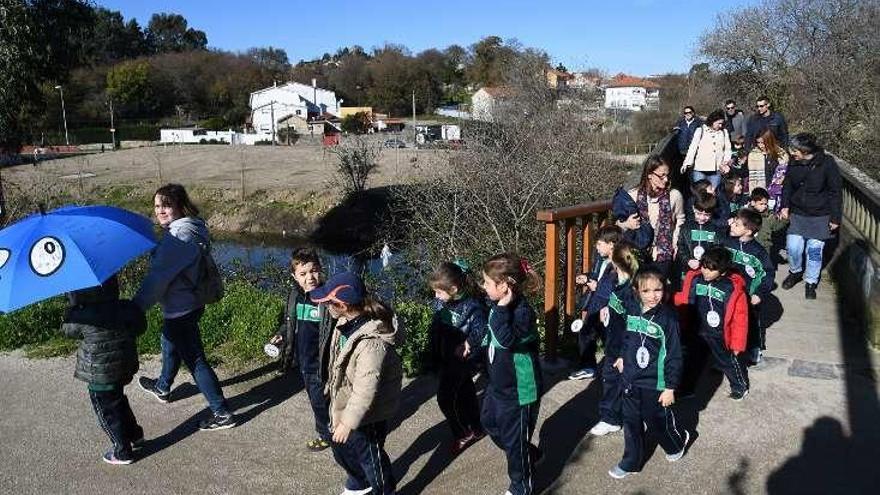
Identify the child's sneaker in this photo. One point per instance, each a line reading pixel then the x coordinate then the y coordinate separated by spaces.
pixel 317 445
pixel 602 428
pixel 349 491
pixel 679 455
pixel 582 374
pixel 618 473
pixel 218 422
pixel 738 396
pixel 110 458
pixel 149 386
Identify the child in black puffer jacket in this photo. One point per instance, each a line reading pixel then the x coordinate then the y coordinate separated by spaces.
pixel 107 359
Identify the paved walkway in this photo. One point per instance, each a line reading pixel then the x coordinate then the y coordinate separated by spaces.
pixel 810 425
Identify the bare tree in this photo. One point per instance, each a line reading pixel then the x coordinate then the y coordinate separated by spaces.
pixel 357 158
pixel 535 154
pixel 818 60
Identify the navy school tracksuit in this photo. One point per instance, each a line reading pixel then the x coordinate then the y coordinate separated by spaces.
pixel 723 335
pixel 606 277
pixel 644 378
pixel 694 240
pixel 753 262
pixel 307 348
pixel 621 299
pixel 511 401
pixel 454 323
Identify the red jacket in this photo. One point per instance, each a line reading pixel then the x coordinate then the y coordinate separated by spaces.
pixel 736 315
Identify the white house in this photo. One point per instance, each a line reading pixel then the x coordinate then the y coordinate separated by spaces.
pixel 632 93
pixel 290 100
pixel 486 101
pixel 195 136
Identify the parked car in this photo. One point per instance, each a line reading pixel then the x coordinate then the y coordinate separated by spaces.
pixel 394 143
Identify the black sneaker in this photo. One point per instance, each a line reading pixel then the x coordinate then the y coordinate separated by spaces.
pixel 810 291
pixel 218 422
pixel 738 396
pixel 792 279
pixel 149 385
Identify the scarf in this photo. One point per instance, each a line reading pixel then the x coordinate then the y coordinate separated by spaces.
pixel 663 234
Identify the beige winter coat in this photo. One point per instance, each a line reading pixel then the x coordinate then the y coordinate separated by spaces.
pixel 365 377
pixel 708 150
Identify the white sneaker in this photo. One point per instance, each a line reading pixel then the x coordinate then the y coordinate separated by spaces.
pixel 602 428
pixel 679 455
pixel 365 491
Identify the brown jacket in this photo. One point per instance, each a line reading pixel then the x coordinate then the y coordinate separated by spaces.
pixel 365 375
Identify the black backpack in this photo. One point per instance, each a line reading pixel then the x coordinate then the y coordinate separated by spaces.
pixel 209 286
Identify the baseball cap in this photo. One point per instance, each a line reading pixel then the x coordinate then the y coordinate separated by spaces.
pixel 345 287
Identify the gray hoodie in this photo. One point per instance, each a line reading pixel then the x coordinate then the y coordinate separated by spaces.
pixel 174 268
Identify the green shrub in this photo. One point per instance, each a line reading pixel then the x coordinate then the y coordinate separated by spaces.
pixel 34 324
pixel 415 319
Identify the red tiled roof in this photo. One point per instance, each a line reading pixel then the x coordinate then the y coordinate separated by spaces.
pixel 625 80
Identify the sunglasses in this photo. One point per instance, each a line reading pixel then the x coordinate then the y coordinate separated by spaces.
pixel 761 105
pixel 689 113
pixel 731 108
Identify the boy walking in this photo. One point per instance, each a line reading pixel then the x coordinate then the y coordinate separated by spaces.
pixel 772 233
pixel 107 360
pixel 719 301
pixel 304 339
pixel 698 233
pixel 750 257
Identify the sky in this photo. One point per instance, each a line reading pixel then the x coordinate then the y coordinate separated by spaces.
pixel 639 37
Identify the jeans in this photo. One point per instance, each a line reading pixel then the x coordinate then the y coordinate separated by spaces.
pixel 364 459
pixel 116 419
pixel 795 245
pixel 315 391
pixel 713 177
pixel 181 341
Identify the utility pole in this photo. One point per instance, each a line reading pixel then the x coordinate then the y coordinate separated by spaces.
pixel 272 116
pixel 415 131
pixel 64 114
pixel 112 127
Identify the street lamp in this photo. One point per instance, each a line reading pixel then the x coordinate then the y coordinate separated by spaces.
pixel 64 114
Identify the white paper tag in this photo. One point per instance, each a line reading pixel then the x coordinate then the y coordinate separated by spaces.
pixel 271 350
pixel 491 353
pixel 713 319
pixel 771 204
pixel 699 251
pixel 750 271
pixel 576 325
pixel 606 317
pixel 643 357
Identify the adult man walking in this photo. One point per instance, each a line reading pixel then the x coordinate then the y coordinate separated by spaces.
pixel 764 119
pixel 687 125
pixel 734 121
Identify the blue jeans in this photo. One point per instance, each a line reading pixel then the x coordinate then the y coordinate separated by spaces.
pixel 795 245
pixel 181 341
pixel 713 177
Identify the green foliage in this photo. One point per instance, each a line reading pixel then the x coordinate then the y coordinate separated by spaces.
pixel 18 71
pixel 31 325
pixel 129 82
pixel 358 123
pixel 415 318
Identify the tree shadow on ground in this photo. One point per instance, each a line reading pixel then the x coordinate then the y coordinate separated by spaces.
pixel 262 397
pixel 358 222
pixel 830 460
pixel 188 389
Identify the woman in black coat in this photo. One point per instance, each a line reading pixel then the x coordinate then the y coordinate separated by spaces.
pixel 811 199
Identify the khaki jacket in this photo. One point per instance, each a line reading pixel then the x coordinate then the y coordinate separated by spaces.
pixel 365 375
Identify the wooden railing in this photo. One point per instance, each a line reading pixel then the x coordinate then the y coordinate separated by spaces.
pixel 577 223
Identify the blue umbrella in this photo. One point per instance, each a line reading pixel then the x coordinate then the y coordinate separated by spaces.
pixel 71 248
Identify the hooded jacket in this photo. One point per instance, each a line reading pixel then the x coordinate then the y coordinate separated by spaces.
pixel 813 188
pixel 365 375
pixel 108 328
pixel 453 323
pixel 174 268
pixel 624 206
pixel 730 302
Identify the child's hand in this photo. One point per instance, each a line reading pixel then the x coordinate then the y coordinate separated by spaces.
pixel 632 223
pixel 725 167
pixel 667 398
pixel 508 296
pixel 276 339
pixel 341 432
pixel 693 264
pixel 592 284
pixel 618 364
pixel 581 279
pixel 756 300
